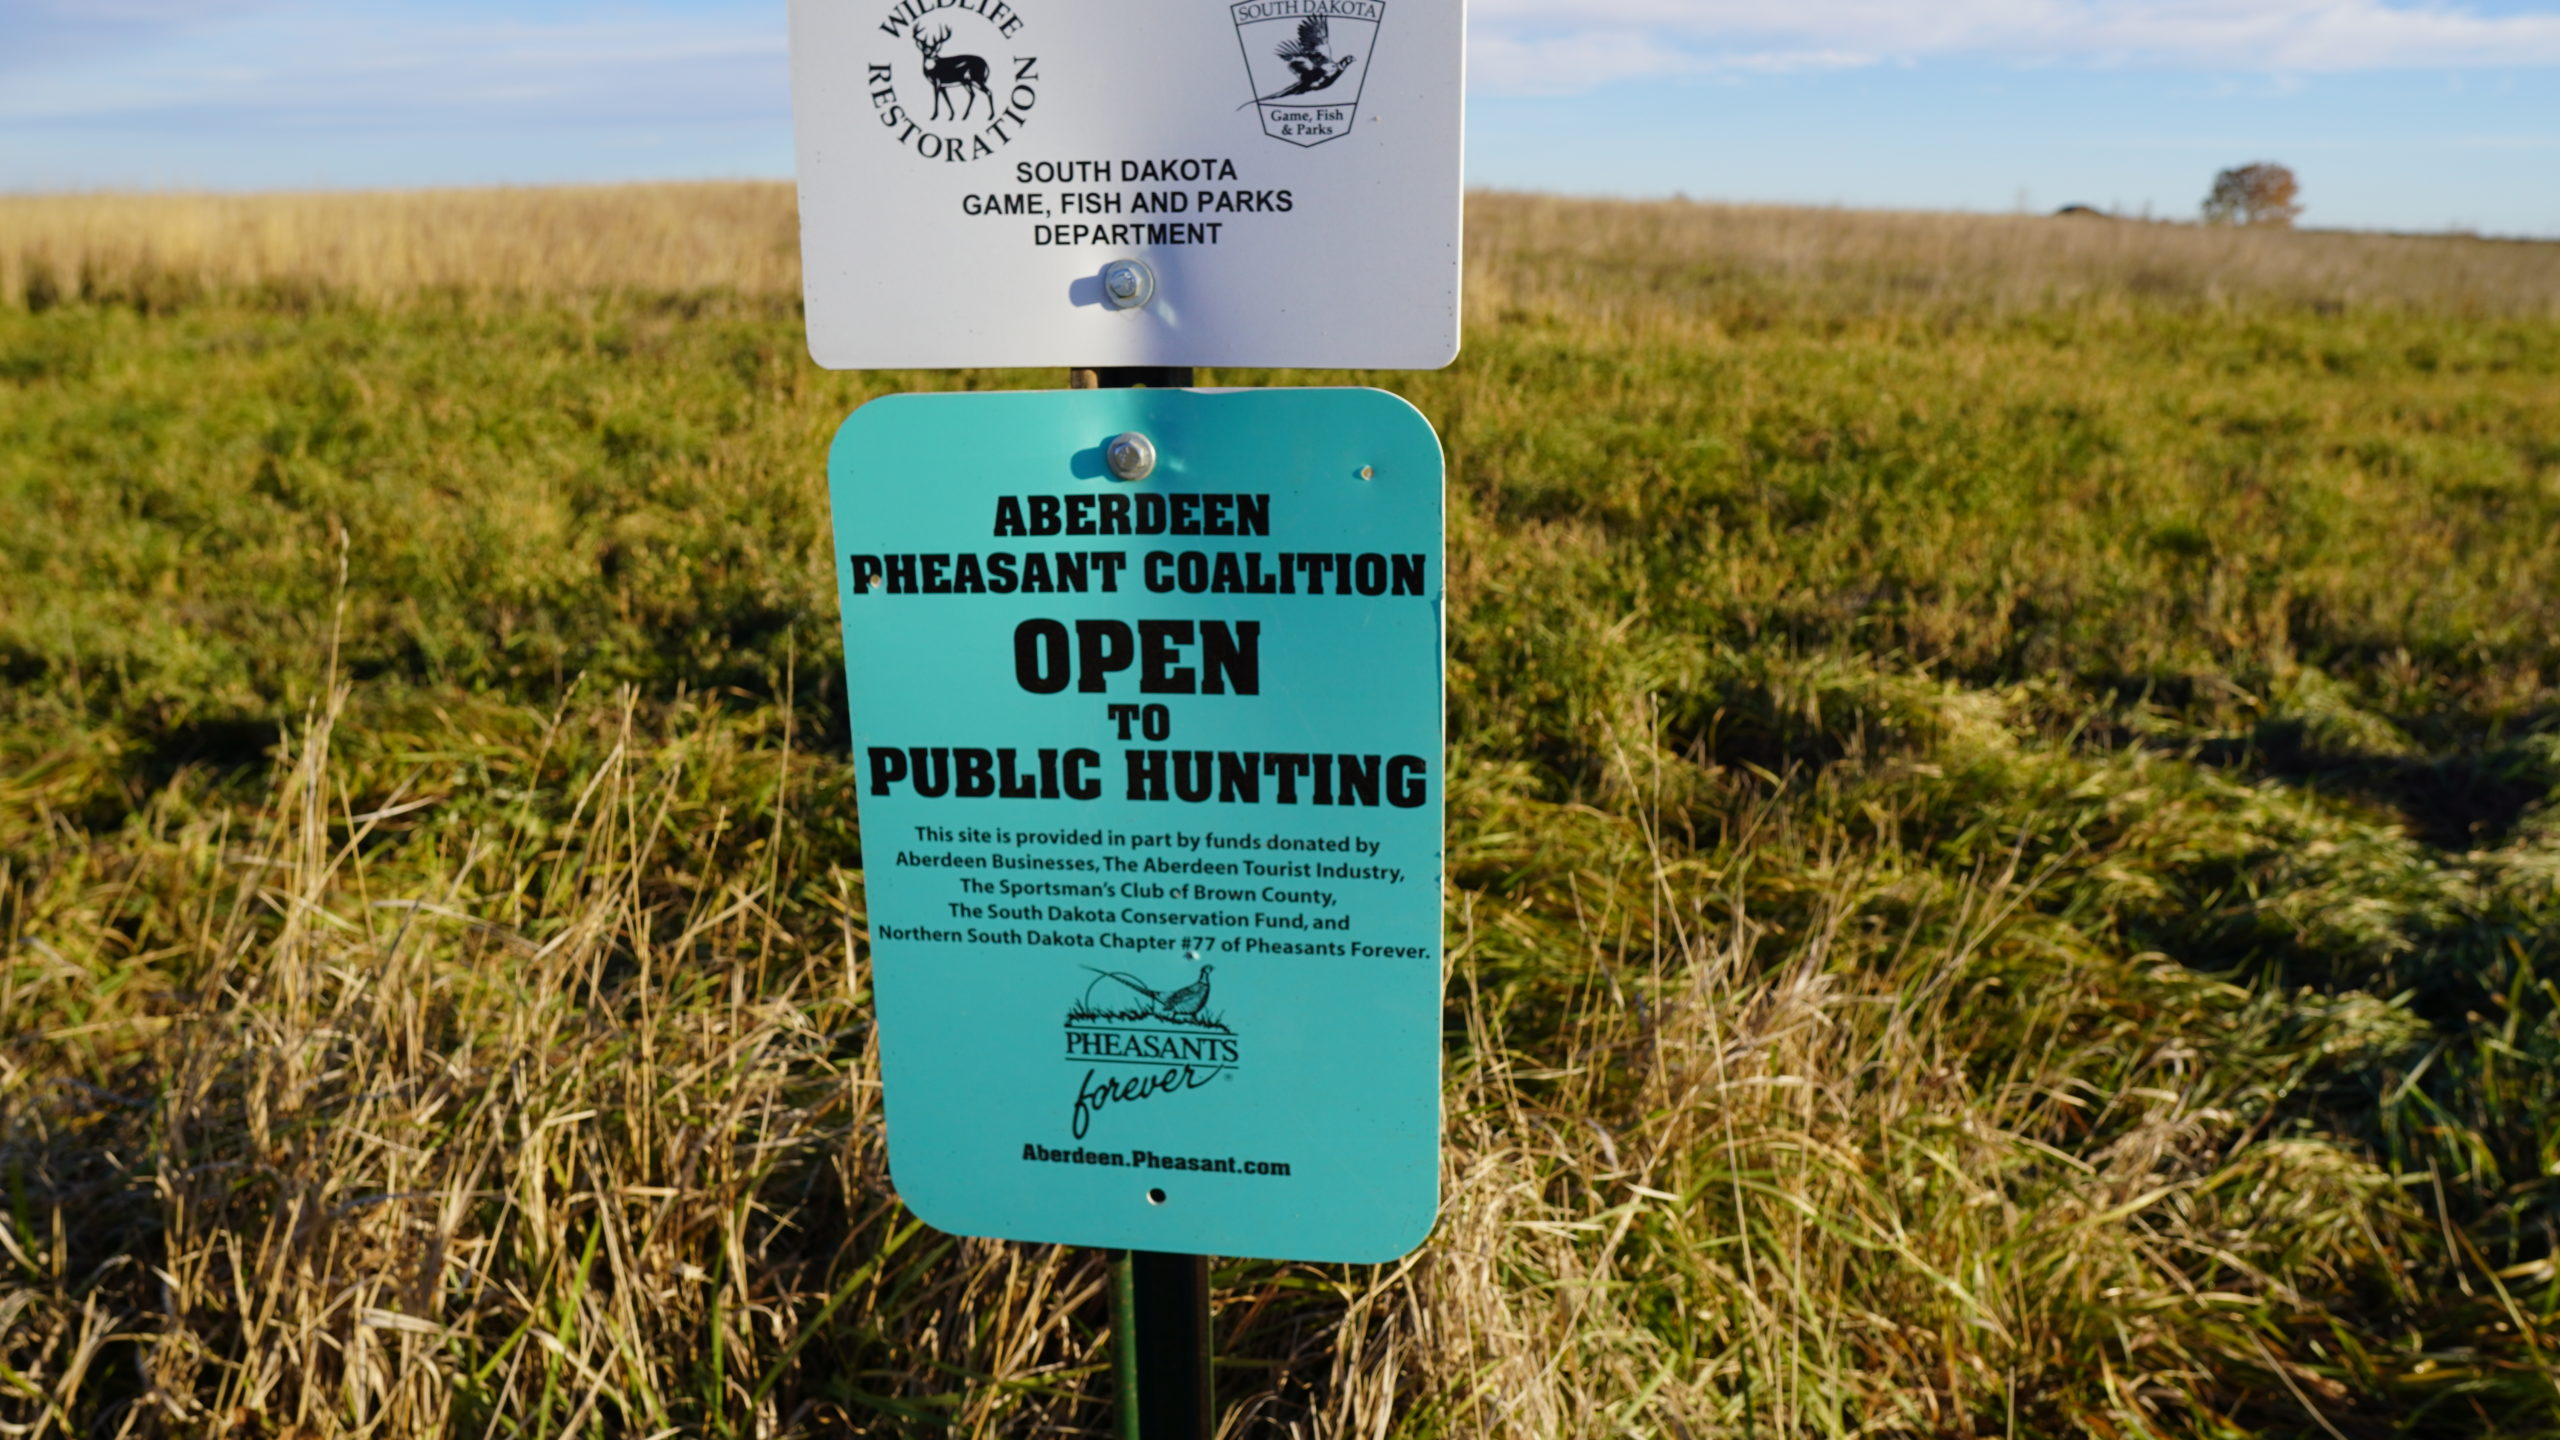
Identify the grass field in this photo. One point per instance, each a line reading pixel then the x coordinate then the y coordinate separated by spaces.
pixel 2005 844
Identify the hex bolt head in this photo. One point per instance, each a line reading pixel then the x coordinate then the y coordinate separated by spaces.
pixel 1128 284
pixel 1131 456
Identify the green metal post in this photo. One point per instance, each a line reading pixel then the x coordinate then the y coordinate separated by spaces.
pixel 1124 1348
pixel 1159 1303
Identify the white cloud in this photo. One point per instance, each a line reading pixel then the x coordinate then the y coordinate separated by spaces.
pixel 360 64
pixel 1541 46
pixel 47 33
pixel 308 65
pixel 1546 61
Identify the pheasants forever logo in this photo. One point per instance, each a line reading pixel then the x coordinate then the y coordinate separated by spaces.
pixel 1307 59
pixel 951 99
pixel 1136 1041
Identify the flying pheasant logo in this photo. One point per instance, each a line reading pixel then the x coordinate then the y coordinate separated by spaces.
pixel 1304 53
pixel 1307 60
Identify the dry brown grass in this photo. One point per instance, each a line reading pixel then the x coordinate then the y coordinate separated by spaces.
pixel 568 1135
pixel 491 1057
pixel 666 237
pixel 1530 249
pixel 1522 250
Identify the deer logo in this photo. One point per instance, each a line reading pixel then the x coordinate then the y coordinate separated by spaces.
pixel 969 72
pixel 953 130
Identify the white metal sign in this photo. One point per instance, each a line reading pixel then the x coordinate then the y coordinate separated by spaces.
pixel 1138 182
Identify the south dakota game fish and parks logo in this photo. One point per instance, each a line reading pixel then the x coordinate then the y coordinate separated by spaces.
pixel 1306 60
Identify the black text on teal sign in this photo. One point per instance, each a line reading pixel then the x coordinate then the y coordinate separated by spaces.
pixel 1151 782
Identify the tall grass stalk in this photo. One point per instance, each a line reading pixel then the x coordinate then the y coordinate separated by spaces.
pixel 2004 845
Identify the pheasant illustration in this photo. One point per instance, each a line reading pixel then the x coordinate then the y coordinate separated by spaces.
pixel 1186 1002
pixel 1306 59
pixel 1182 1004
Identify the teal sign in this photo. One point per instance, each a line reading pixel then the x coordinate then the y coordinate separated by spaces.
pixel 1151 792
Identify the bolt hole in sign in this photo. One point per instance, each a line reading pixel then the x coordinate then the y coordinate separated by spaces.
pixel 1284 174
pixel 1151 793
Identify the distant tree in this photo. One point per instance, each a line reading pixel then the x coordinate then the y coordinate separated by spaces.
pixel 2261 194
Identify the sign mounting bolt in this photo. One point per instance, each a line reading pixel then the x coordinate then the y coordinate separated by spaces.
pixel 1128 283
pixel 1131 456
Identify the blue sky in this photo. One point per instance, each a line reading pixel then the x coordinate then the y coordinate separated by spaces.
pixel 2399 114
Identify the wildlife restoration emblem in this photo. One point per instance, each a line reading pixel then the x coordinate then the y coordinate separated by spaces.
pixel 946 80
pixel 1133 1038
pixel 1306 60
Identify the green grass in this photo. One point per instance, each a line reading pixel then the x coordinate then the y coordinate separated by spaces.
pixel 2004 866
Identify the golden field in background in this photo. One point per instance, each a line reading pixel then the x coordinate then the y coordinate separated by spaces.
pixel 743 237
pixel 381 244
